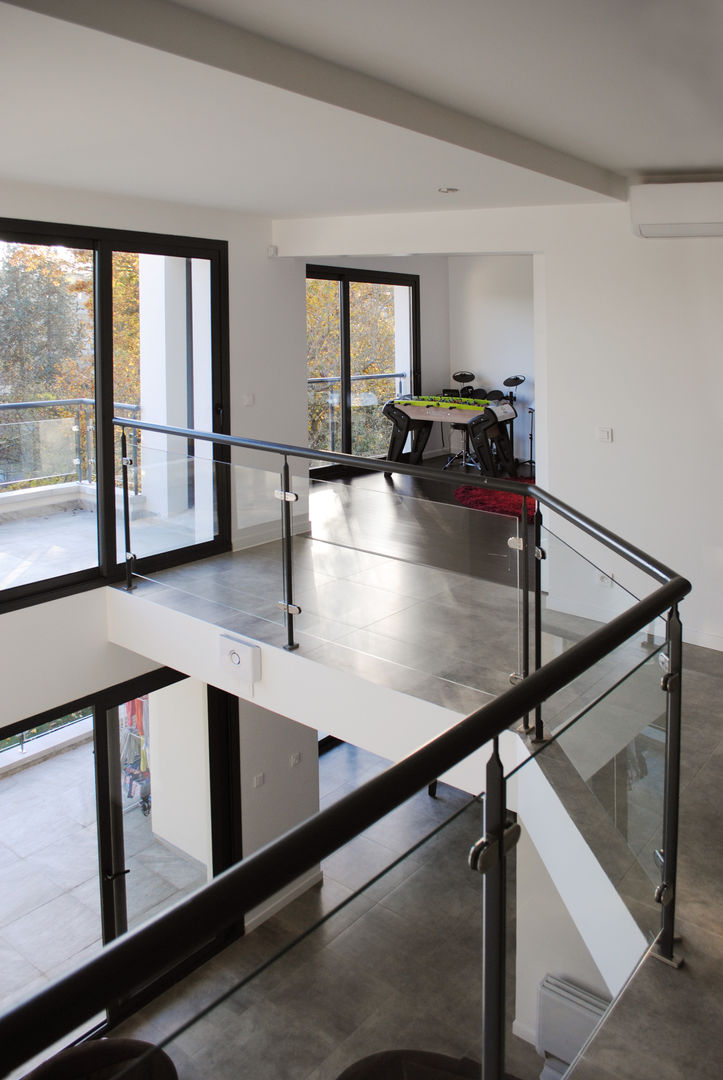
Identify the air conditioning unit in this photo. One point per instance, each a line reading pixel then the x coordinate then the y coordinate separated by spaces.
pixel 685 209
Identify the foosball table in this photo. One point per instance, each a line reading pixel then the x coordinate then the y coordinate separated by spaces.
pixel 485 424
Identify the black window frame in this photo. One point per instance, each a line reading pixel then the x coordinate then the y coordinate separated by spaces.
pixel 345 275
pixel 224 765
pixel 103 242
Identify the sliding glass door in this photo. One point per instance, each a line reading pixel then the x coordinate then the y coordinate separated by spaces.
pixel 97 324
pixel 362 351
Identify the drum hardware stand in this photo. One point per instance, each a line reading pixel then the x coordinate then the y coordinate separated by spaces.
pixel 512 383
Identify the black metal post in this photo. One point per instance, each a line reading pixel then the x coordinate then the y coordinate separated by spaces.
pixel 287 554
pixel 525 556
pixel 494 925
pixel 129 556
pixel 672 684
pixel 539 735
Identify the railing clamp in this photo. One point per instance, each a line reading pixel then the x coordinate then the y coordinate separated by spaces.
pixel 664 893
pixel 516 543
pixel 540 554
pixel 514 678
pixel 290 609
pixel 127 461
pixel 286 496
pixel 486 853
pixel 669 681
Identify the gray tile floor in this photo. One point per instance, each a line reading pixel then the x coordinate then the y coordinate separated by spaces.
pixel 49 868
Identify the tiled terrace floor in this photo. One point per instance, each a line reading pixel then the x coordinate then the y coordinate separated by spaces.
pixel 49 898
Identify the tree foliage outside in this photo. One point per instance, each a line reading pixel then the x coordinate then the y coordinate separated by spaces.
pixel 372 352
pixel 47 354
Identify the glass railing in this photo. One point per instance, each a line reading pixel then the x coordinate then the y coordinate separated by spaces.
pixel 370 430
pixel 408 591
pixel 591 802
pixel 392 968
pixel 576 598
pixel 385 962
pixel 597 843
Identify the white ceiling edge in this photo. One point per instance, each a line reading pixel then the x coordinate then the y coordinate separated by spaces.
pixel 162 25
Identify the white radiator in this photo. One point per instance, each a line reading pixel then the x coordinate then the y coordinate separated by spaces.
pixel 566 1017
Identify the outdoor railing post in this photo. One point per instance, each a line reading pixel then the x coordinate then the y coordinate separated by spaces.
pixel 287 604
pixel 130 557
pixel 665 893
pixel 539 555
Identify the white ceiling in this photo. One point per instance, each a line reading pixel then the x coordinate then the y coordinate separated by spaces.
pixel 634 85
pixel 629 85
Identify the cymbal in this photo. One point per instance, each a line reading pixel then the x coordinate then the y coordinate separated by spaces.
pixel 514 380
pixel 464 376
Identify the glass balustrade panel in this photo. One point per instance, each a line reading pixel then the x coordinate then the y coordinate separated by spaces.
pixel 172 499
pixel 590 806
pixel 408 580
pixel 577 598
pixel 240 590
pixel 383 955
pixel 607 769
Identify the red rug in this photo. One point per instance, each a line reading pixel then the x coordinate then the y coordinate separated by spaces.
pixel 496 502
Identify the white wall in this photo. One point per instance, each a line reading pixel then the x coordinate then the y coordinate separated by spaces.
pixel 58 652
pixel 178 737
pixel 628 335
pixel 491 328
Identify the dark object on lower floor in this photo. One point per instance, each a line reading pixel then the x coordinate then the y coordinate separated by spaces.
pixel 102 1059
pixel 411 1065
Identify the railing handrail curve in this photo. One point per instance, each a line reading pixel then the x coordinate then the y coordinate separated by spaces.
pixel 636 556
pixel 145 953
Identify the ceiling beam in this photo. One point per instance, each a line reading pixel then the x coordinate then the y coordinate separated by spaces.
pixel 164 25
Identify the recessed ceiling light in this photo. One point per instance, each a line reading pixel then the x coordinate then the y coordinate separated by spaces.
pixel 448 190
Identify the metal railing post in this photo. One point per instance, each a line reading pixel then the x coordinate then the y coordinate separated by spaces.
pixel 539 555
pixel 525 556
pixel 665 893
pixel 130 557
pixel 287 604
pixel 488 857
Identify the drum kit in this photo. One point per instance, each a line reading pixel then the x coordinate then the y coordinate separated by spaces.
pixel 465 381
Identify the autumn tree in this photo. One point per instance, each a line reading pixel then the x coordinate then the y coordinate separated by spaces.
pixel 372 352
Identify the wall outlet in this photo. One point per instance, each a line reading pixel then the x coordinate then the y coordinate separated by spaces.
pixel 294 759
pixel 259 779
pixel 605 434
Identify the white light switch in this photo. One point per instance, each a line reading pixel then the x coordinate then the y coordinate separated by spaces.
pixel 247 399
pixel 605 434
pixel 259 779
